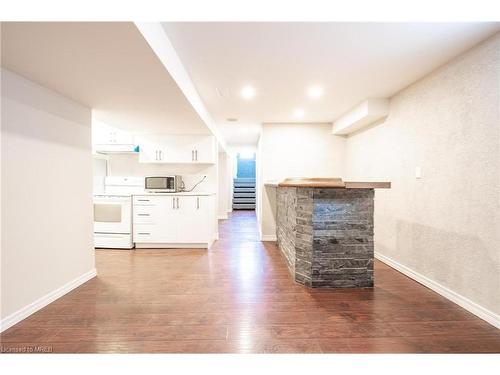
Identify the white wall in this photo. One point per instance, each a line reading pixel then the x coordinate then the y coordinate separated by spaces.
pixel 225 185
pixel 128 165
pixel 293 150
pixel 47 223
pixel 446 225
pixel 259 185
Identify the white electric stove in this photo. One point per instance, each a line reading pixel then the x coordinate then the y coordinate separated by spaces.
pixel 113 212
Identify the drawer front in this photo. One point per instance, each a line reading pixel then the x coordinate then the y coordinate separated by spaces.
pixel 154 233
pixel 145 233
pixel 149 200
pixel 144 218
pixel 113 241
pixel 144 238
pixel 146 214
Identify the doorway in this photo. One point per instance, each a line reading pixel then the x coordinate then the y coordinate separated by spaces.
pixel 244 183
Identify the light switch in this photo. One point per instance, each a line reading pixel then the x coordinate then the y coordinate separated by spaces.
pixel 418 172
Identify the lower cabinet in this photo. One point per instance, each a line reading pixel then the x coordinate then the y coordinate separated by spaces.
pixel 172 221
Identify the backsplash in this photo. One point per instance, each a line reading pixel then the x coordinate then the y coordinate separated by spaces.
pixel 128 165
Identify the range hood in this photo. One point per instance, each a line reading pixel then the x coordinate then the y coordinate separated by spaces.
pixel 116 148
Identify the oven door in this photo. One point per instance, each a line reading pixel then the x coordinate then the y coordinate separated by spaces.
pixel 112 214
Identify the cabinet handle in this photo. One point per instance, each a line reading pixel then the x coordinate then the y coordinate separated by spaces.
pixel 161 154
pixel 192 155
pixel 197 203
pixel 156 154
pixel 177 203
pixel 143 200
pixel 196 155
pixel 144 233
pixel 173 203
pixel 142 214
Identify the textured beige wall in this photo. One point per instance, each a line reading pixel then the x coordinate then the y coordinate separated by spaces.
pixel 294 150
pixel 445 225
pixel 47 213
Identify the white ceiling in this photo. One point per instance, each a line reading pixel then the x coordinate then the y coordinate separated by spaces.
pixel 108 67
pixel 351 61
pixel 240 133
pixel 111 68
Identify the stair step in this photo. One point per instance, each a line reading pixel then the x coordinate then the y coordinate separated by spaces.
pixel 244 195
pixel 244 185
pixel 243 206
pixel 244 200
pixel 243 190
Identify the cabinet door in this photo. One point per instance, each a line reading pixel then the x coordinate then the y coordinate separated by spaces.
pixel 204 149
pixel 146 150
pixel 110 136
pixel 194 224
pixel 168 220
pixel 176 149
pixel 188 148
pixel 150 152
pixel 182 148
pixel 147 154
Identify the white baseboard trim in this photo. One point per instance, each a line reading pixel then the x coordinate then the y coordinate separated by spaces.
pixel 268 237
pixel 222 217
pixel 33 307
pixel 172 246
pixel 467 304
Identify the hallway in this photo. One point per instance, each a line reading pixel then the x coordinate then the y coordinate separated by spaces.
pixel 238 297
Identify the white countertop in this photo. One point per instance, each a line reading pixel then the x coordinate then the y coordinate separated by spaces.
pixel 180 193
pixel 145 193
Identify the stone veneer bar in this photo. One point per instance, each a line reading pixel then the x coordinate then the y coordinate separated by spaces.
pixel 326 233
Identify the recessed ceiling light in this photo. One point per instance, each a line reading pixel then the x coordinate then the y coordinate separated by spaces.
pixel 231 119
pixel 298 113
pixel 248 92
pixel 314 92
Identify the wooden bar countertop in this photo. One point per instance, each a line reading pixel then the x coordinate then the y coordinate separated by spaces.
pixel 318 182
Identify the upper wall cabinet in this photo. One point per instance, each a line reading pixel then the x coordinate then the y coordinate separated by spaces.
pixel 107 139
pixel 190 149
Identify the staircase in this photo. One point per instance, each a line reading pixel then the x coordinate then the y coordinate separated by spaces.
pixel 244 193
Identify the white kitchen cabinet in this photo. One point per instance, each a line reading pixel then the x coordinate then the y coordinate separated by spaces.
pixel 151 150
pixel 107 139
pixel 194 220
pixel 154 219
pixel 173 221
pixel 204 149
pixel 177 148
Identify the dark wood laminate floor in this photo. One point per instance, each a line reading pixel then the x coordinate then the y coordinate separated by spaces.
pixel 239 298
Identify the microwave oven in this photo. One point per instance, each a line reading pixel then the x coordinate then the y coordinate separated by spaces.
pixel 163 184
